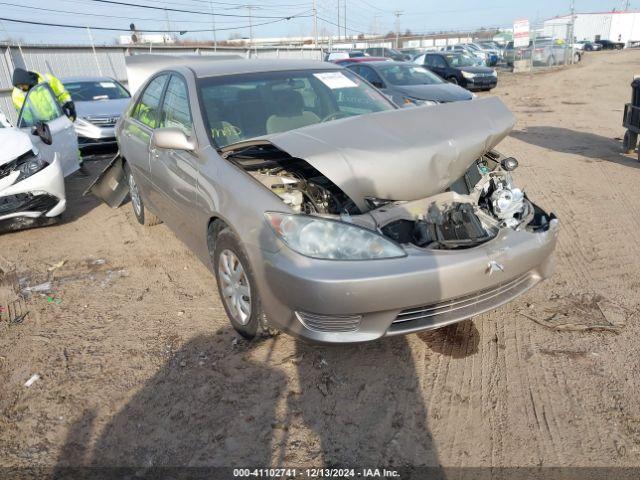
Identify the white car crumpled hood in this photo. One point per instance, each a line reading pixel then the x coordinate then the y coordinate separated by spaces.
pixel 14 143
pixel 404 154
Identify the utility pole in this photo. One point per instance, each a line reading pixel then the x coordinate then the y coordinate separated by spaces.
pixel 315 25
pixel 166 14
pixel 344 18
pixel 250 8
pixel 397 13
pixel 93 47
pixel 213 27
pixel 376 17
pixel 571 32
pixel 339 28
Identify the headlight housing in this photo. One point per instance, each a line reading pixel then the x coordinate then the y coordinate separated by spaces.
pixel 494 73
pixel 331 239
pixel 29 163
pixel 418 101
pixel 468 75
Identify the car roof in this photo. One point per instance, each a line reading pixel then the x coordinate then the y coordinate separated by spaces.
pixel 233 67
pixel 87 79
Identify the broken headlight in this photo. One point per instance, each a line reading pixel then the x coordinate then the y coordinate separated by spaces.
pixel 29 163
pixel 330 239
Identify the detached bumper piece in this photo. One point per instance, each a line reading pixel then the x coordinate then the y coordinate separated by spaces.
pixel 27 202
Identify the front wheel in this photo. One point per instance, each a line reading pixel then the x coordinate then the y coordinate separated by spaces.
pixel 236 284
pixel 144 216
pixel 629 142
pixel 454 80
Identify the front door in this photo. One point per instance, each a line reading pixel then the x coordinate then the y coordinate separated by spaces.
pixel 174 172
pixel 41 106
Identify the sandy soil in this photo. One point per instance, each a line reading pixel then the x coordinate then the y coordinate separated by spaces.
pixel 138 365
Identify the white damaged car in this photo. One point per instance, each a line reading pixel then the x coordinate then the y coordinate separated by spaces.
pixel 34 159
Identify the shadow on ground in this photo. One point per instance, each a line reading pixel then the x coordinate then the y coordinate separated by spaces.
pixel 459 340
pixel 574 142
pixel 338 406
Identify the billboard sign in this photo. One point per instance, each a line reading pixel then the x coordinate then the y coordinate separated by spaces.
pixel 521 33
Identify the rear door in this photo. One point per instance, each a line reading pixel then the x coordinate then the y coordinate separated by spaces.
pixel 174 172
pixel 41 106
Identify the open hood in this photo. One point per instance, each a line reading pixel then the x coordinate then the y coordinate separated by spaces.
pixel 404 154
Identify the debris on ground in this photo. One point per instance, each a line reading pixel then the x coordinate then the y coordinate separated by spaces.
pixel 34 378
pixel 44 287
pixel 579 313
pixel 56 265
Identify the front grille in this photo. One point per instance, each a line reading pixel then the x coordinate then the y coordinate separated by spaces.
pixel 329 323
pixel 103 120
pixel 26 202
pixel 462 307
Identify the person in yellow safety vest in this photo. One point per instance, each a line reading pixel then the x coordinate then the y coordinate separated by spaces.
pixel 23 81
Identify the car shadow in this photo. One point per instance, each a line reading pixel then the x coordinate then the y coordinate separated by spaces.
pixel 213 405
pixel 586 144
pixel 459 340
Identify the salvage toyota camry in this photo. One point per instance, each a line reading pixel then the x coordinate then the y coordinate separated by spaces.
pixel 321 207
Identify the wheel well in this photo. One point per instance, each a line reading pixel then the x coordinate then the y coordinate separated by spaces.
pixel 215 226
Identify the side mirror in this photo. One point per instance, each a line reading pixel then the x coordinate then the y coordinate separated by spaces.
pixel 171 138
pixel 43 131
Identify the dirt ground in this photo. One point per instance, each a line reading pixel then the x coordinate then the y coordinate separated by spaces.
pixel 138 366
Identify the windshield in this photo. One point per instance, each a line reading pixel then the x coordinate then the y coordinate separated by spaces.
pixel 458 60
pixel 88 91
pixel 241 107
pixel 404 75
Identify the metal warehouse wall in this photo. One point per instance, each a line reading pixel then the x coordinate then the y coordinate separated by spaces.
pixel 108 61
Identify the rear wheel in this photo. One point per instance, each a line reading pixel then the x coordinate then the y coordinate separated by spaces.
pixel 144 216
pixel 629 142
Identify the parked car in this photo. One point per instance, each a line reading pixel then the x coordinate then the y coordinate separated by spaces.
pixel 407 83
pixel 511 54
pixel 460 70
pixel 322 208
pixel 588 46
pixel 491 56
pixel 348 61
pixel 609 45
pixel 412 52
pixel 480 58
pixel 34 159
pixel 334 56
pixel 99 103
pixel 391 53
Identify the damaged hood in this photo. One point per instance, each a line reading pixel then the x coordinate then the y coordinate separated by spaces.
pixel 404 154
pixel 14 143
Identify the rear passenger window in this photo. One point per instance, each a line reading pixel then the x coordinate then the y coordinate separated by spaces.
pixel 175 110
pixel 146 110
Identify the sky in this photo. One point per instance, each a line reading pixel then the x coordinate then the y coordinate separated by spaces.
pixel 233 17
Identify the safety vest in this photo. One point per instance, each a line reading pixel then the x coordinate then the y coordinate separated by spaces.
pixel 61 94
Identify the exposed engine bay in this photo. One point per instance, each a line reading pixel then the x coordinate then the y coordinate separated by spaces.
pixel 470 212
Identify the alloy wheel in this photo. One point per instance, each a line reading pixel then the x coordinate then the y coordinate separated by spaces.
pixel 234 285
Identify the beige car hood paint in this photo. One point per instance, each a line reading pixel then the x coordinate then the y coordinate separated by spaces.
pixel 404 154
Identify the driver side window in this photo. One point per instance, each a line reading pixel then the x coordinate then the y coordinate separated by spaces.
pixel 371 76
pixel 39 106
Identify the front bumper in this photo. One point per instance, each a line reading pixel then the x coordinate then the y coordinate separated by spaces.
pixel 343 302
pixel 481 83
pixel 90 135
pixel 40 195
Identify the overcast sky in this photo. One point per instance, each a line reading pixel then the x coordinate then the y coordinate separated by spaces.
pixel 362 16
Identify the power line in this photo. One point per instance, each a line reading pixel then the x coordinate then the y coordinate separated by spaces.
pixel 30 22
pixel 199 12
pixel 108 16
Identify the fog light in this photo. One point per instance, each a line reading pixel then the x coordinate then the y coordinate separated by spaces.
pixel 509 164
pixel 329 323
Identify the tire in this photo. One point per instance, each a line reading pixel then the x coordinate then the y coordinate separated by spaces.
pixel 143 215
pixel 629 142
pixel 576 58
pixel 551 61
pixel 239 296
pixel 453 80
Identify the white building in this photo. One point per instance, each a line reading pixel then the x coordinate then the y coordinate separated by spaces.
pixel 146 39
pixel 615 26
